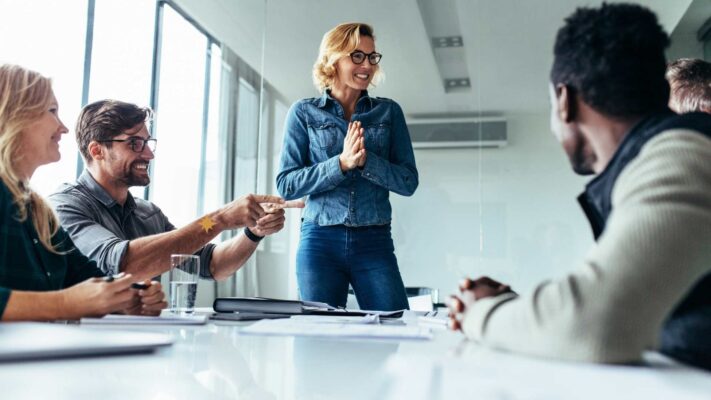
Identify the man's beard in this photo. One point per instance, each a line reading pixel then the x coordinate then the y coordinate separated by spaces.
pixel 130 178
pixel 581 158
pixel 580 164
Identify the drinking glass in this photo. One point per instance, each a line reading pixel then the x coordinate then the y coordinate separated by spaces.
pixel 184 273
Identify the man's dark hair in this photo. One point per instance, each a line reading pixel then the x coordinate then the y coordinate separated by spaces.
pixel 613 57
pixel 690 81
pixel 106 119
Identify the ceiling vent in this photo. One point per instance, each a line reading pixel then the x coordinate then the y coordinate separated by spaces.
pixel 441 22
pixel 457 132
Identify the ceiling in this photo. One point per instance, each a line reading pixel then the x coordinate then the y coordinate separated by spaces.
pixel 508 46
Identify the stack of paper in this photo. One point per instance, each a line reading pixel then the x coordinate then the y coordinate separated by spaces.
pixel 333 328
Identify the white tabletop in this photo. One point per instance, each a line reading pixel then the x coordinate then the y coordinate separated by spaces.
pixel 217 361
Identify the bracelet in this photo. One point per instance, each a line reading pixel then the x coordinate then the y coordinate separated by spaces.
pixel 251 236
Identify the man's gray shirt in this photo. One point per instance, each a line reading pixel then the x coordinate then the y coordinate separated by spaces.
pixel 101 228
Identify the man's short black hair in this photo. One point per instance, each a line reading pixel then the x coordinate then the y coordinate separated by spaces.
pixel 690 81
pixel 613 57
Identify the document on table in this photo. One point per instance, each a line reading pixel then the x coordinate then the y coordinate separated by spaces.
pixel 325 319
pixel 333 328
pixel 113 319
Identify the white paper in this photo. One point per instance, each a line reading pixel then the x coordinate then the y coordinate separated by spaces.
pixel 325 319
pixel 146 320
pixel 295 327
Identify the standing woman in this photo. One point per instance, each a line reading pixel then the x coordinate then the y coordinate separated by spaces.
pixel 347 151
pixel 42 275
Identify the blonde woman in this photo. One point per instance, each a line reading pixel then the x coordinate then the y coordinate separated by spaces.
pixel 42 275
pixel 346 151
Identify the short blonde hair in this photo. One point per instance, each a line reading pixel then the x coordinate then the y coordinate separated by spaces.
pixel 24 96
pixel 339 42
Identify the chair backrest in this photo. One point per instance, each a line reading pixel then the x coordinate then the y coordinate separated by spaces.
pixel 421 291
pixel 410 291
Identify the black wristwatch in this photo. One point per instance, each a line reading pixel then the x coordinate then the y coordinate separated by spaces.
pixel 252 236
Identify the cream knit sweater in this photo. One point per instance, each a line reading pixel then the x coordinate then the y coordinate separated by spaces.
pixel 656 245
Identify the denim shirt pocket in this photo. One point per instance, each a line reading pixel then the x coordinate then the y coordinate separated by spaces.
pixel 324 138
pixel 377 138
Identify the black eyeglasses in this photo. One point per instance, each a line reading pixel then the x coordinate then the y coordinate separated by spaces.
pixel 136 144
pixel 358 57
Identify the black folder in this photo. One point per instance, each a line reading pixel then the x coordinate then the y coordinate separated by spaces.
pixel 261 305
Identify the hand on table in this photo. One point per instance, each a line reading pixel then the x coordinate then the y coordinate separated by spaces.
pixel 469 292
pixel 96 297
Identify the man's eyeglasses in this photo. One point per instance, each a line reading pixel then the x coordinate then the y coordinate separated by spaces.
pixel 136 144
pixel 358 57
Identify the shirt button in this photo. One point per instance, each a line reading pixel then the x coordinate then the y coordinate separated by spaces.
pixel 35 241
pixel 352 193
pixel 49 274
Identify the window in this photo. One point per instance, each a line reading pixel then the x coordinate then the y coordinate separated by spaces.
pixel 34 37
pixel 122 51
pixel 213 176
pixel 246 144
pixel 178 122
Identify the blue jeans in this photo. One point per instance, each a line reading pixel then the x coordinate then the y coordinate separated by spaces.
pixel 331 257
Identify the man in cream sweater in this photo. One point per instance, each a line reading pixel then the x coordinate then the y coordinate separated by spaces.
pixel 649 206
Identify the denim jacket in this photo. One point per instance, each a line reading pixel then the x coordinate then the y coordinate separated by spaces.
pixel 313 139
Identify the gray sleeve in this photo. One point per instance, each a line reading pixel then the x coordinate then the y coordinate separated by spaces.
pixel 205 253
pixel 89 236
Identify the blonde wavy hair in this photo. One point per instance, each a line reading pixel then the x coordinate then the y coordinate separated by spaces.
pixel 24 96
pixel 339 42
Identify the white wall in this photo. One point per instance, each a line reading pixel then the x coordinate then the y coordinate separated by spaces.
pixel 532 226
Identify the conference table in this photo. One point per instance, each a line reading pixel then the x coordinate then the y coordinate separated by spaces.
pixel 220 361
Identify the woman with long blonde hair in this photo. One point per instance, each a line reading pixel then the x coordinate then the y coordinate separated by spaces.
pixel 346 151
pixel 42 275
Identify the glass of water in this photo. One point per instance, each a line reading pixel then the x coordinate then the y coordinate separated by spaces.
pixel 184 273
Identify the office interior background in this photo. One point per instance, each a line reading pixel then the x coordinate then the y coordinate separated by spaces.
pixel 497 200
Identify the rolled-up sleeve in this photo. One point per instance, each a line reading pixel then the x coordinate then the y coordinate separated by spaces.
pixel 205 254
pixel 89 236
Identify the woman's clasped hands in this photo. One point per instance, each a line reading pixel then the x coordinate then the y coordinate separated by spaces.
pixel 354 154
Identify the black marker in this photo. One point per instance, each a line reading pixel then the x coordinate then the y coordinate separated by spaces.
pixel 139 286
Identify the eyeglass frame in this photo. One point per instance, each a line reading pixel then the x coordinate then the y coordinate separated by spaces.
pixel 366 56
pixel 133 142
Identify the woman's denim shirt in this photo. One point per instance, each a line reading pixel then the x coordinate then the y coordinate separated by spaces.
pixel 313 139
